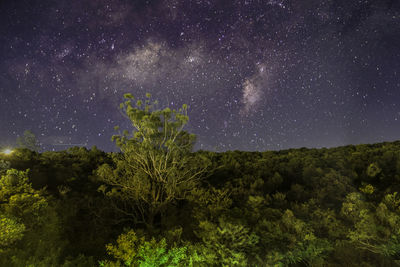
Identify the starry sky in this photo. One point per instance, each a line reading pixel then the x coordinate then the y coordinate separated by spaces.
pixel 256 74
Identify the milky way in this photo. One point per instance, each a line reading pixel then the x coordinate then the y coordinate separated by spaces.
pixel 256 75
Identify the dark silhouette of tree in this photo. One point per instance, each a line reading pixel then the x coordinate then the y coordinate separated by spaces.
pixel 28 140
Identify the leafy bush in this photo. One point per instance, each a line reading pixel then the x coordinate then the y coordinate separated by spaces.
pixel 132 250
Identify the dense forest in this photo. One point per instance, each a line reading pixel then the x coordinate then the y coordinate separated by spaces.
pixel 157 203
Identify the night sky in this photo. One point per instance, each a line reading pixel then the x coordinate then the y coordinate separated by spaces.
pixel 256 75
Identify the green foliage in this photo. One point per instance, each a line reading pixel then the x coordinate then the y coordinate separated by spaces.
pixel 275 181
pixel 297 207
pixel 376 228
pixel 367 189
pixel 226 243
pixel 4 166
pixel 156 166
pixel 209 203
pixel 304 245
pixel 18 197
pixel 373 170
pixel 29 222
pixel 10 231
pixel 132 250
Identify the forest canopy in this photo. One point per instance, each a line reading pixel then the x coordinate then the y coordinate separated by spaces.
pixel 158 203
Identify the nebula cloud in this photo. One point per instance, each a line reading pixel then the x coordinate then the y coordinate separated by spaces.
pixel 254 89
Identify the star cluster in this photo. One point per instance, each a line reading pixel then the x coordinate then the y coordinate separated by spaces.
pixel 256 74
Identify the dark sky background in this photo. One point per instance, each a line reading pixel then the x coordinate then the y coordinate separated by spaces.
pixel 256 75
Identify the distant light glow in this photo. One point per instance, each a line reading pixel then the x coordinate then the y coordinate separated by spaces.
pixel 8 151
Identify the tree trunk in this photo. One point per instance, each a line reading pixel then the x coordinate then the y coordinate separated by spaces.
pixel 150 221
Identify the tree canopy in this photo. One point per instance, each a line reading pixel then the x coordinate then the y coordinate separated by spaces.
pixel 156 165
